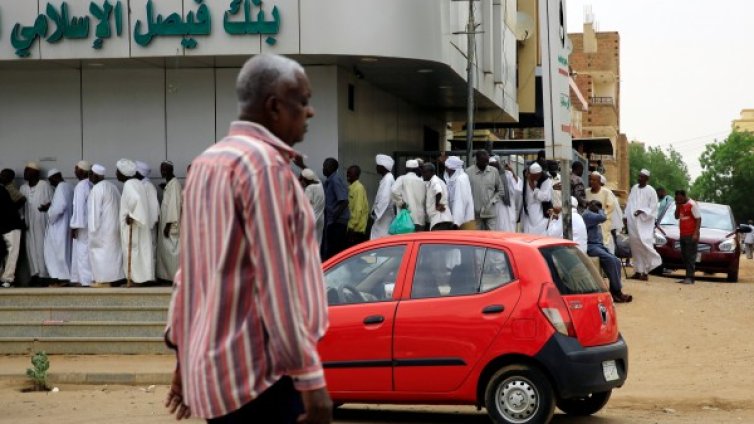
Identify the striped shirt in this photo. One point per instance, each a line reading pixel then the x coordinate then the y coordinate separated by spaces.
pixel 248 303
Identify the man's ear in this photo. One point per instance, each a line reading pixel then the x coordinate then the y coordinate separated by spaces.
pixel 272 106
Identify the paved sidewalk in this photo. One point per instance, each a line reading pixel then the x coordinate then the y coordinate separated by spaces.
pixel 95 369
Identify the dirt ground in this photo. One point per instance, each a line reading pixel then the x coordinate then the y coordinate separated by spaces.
pixel 690 347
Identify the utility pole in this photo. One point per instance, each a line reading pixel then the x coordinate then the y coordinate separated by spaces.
pixel 471 38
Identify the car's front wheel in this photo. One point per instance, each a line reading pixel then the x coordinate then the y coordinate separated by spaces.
pixel 585 406
pixel 519 394
pixel 732 276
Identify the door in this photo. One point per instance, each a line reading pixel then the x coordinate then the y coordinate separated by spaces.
pixel 362 293
pixel 460 297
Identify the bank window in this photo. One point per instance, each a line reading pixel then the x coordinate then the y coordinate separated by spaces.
pixel 365 277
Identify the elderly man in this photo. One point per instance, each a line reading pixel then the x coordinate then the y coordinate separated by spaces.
pixel 170 224
pixel 602 194
pixel 105 250
pixel 460 197
pixel 383 211
pixel 640 219
pixel 10 230
pixel 337 214
pixel 57 249
pixel 486 189
pixel 250 354
pixel 594 217
pixel 537 201
pixel 410 192
pixel 358 206
pixel 316 194
pixel 38 194
pixel 438 210
pixel 512 187
pixel 81 268
pixel 135 225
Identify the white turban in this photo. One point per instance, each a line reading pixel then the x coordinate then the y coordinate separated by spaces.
pixel 386 161
pixel 33 165
pixel 84 165
pixel 143 168
pixel 535 168
pixel 52 172
pixel 420 161
pixel 309 175
pixel 645 173
pixel 127 167
pixel 99 169
pixel 412 164
pixel 453 163
pixel 493 159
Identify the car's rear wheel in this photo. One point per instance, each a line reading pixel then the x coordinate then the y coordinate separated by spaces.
pixel 585 406
pixel 519 394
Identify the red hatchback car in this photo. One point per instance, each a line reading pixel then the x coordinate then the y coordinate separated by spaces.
pixel 513 323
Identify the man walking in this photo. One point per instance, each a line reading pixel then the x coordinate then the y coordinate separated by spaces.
pixel 689 224
pixel 640 220
pixel 410 192
pixel 485 190
pixel 594 217
pixel 135 225
pixel 358 206
pixel 460 198
pixel 10 229
pixel 57 249
pixel 438 211
pixel 249 305
pixel 337 214
pixel 169 226
pixel 316 195
pixel 38 194
pixel 105 250
pixel 383 211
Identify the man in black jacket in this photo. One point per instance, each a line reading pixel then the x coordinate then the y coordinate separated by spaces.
pixel 10 228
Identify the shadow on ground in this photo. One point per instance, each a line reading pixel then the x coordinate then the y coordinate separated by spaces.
pixel 372 416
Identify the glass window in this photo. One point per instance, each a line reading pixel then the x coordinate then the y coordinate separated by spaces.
pixel 571 271
pixel 366 277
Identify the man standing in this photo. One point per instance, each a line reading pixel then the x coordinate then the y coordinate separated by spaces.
pixel 485 189
pixel 460 197
pixel 663 201
pixel 135 222
pixel 105 249
pixel 7 177
pixel 438 211
pixel 57 249
pixel 81 268
pixel 749 242
pixel 10 229
pixel 38 194
pixel 249 305
pixel 410 192
pixel 383 211
pixel 316 195
pixel 512 187
pixel 577 184
pixel 537 201
pixel 170 224
pixel 358 206
pixel 640 220
pixel 594 217
pixel 337 214
pixel 690 224
pixel 142 174
pixel 604 196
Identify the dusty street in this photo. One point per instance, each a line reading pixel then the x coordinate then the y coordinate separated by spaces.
pixel 690 349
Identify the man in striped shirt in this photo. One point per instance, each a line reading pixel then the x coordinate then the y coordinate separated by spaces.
pixel 248 306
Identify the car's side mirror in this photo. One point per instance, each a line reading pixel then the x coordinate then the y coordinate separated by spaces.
pixel 744 229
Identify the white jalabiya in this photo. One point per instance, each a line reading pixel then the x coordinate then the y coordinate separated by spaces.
pixel 616 218
pixel 58 236
pixel 411 190
pixel 105 250
pixel 154 212
pixel 36 221
pixel 81 268
pixel 507 215
pixel 535 222
pixel 460 196
pixel 316 195
pixel 167 248
pixel 641 228
pixel 437 186
pixel 383 211
pixel 134 203
pixel 580 235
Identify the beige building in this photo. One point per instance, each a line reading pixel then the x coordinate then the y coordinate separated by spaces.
pixel 746 122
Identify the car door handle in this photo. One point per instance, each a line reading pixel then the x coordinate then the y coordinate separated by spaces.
pixel 493 309
pixel 374 319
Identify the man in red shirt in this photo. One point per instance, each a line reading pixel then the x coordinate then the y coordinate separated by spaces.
pixel 690 221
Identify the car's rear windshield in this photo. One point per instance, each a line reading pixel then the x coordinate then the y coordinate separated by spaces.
pixel 572 271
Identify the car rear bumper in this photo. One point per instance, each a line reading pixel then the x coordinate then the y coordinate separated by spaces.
pixel 578 371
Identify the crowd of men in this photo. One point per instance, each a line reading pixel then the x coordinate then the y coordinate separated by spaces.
pixel 91 234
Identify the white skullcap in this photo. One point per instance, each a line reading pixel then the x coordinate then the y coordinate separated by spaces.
pixel 412 164
pixel 166 162
pixel 386 161
pixel 309 175
pixel 574 202
pixel 645 173
pixel 84 165
pixel 52 172
pixel 143 168
pixel 99 169
pixel 603 180
pixel 127 167
pixel 453 163
pixel 535 168
pixel 33 165
pixel 420 161
pixel 493 159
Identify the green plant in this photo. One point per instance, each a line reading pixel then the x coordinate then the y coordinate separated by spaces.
pixel 38 373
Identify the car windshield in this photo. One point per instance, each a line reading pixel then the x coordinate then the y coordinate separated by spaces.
pixel 713 216
pixel 572 271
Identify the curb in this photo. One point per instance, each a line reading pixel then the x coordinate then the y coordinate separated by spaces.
pixel 97 378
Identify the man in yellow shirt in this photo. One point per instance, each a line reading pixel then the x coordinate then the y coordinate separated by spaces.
pixel 358 206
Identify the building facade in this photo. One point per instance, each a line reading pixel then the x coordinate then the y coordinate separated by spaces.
pixel 745 122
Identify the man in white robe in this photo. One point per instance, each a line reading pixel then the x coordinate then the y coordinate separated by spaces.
pixel 436 201
pixel 38 195
pixel 460 197
pixel 383 210
pixel 135 225
pixel 105 250
pixel 170 224
pixel 580 236
pixel 142 174
pixel 507 208
pixel 616 218
pixel 641 214
pixel 315 192
pixel 410 191
pixel 57 248
pixel 81 268
pixel 537 194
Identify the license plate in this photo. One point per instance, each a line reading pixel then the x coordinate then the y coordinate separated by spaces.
pixel 698 257
pixel 610 370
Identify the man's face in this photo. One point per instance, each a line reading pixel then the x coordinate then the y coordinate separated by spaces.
pixel 594 182
pixel 643 179
pixel 55 180
pixel 166 170
pixel 293 110
pixel 122 178
pixel 661 193
pixel 5 178
pixel 351 175
pixel 680 199
pixel 482 160
pixel 328 168
pixel 31 174
pixel 579 170
pixel 94 178
pixel 427 174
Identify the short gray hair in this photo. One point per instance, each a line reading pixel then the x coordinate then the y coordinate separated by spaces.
pixel 260 76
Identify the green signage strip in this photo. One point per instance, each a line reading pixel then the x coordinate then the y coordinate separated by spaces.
pixel 194 24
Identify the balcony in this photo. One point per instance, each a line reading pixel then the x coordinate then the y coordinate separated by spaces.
pixel 602 101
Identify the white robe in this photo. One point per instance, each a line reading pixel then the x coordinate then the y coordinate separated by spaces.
pixel 580 235
pixel 460 196
pixel 641 229
pixel 81 268
pixel 535 222
pixel 411 190
pixel 167 248
pixel 134 202
pixel 36 221
pixel 316 195
pixel 154 213
pixel 437 186
pixel 105 250
pixel 383 212
pixel 58 235
pixel 616 218
pixel 507 215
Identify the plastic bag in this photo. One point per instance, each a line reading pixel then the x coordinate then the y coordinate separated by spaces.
pixel 402 224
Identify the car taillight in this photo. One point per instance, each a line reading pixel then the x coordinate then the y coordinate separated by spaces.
pixel 554 308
